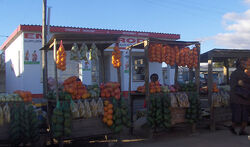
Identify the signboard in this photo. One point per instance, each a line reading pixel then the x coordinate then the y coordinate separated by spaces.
pixel 86 66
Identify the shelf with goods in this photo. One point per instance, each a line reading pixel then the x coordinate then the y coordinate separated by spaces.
pixel 156 95
pixel 96 109
pixel 218 95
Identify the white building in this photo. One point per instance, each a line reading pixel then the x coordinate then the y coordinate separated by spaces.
pixel 23 60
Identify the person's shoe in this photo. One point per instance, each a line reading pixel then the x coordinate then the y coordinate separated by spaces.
pixel 243 133
pixel 232 130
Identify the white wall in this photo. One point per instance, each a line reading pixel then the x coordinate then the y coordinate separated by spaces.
pixel 32 74
pixel 14 65
pixel 153 68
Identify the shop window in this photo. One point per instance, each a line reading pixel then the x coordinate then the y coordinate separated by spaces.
pixel 138 69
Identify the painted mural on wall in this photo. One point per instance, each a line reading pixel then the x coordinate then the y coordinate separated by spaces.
pixel 31 57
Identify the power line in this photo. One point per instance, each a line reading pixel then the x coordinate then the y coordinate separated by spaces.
pixel 188 11
pixel 4 36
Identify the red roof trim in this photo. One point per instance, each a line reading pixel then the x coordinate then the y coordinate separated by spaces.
pixel 59 29
pixel 11 37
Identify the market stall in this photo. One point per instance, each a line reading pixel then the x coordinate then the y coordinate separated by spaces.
pixel 161 102
pixel 96 109
pixel 218 95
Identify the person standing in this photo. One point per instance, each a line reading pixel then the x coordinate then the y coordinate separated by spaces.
pixel 239 105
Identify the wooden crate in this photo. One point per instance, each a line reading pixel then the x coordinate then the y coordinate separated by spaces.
pixel 178 115
pixel 88 127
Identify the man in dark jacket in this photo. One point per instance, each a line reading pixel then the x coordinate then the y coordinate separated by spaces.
pixel 239 105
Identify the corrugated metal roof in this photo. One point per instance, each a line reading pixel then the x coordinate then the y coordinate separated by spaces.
pixel 80 30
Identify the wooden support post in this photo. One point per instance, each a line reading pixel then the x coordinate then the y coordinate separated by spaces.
pixel 55 70
pixel 44 51
pixel 103 66
pixel 176 74
pixel 197 70
pixel 226 71
pixel 119 74
pixel 210 86
pixel 129 94
pixel 197 80
pixel 146 47
pixel 191 76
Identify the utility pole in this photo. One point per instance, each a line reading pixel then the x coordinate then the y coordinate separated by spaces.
pixel 44 52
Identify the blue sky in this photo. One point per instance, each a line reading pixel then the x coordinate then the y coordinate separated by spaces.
pixel 219 24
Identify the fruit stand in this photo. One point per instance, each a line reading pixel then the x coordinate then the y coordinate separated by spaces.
pixel 95 115
pixel 159 102
pixel 218 98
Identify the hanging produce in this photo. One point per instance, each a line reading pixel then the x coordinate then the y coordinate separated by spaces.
pixel 168 53
pixel 152 53
pixel 61 57
pixel 93 53
pixel 74 52
pixel 247 70
pixel 83 52
pixel 116 57
pixel 111 89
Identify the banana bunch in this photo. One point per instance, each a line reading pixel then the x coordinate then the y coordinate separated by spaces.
pixel 93 54
pixel 6 110
pixel 83 52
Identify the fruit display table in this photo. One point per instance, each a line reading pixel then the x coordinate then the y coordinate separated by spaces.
pixel 71 94
pixel 218 114
pixel 173 53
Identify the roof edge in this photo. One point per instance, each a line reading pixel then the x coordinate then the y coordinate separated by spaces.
pixel 11 38
pixel 65 29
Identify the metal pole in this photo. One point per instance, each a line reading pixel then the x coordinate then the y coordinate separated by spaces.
pixel 129 94
pixel 44 52
pixel 55 69
pixel 146 47
pixel 48 24
pixel 210 85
